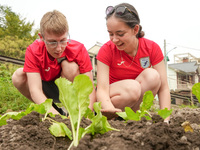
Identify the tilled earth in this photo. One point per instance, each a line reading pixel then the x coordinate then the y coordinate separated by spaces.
pixel 30 133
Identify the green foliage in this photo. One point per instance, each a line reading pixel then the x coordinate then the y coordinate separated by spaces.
pixel 15 33
pixel 196 90
pixel 10 97
pixel 145 106
pixel 14 47
pixel 11 24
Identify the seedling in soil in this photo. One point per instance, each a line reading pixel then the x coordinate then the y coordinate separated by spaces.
pixel 75 98
pixel 145 106
pixel 42 108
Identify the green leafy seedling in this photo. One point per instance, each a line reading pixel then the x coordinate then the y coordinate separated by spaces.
pixel 164 113
pixel 196 90
pixel 145 106
pixel 75 98
pixel 42 108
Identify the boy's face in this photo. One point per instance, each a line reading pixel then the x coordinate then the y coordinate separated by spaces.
pixel 55 44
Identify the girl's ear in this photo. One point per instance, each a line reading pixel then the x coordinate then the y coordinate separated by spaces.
pixel 136 29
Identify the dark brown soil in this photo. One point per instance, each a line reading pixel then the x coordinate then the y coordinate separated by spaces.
pixel 30 133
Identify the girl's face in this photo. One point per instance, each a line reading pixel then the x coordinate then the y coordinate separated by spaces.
pixel 121 34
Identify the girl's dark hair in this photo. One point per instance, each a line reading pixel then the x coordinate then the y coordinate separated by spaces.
pixel 128 18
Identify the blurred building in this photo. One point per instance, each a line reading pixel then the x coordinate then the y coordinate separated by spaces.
pixel 182 75
pixel 93 51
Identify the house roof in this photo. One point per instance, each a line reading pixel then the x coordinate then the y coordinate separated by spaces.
pixel 95 49
pixel 187 67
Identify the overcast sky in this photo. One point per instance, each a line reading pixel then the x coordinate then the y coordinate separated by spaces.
pixel 176 21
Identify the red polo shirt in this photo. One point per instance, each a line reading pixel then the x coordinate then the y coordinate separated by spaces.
pixel 122 66
pixel 37 59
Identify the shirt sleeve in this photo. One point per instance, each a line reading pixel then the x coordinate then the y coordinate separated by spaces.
pixel 30 64
pixel 104 54
pixel 156 54
pixel 83 60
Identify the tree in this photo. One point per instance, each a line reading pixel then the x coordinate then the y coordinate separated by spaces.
pixel 15 33
pixel 12 24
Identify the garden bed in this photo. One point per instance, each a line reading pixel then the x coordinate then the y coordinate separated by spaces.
pixel 30 133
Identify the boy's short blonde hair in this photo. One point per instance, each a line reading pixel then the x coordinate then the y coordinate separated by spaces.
pixel 54 22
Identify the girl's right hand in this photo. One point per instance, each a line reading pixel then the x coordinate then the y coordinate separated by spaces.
pixel 110 113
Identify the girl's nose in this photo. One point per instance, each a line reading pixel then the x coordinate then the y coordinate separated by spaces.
pixel 115 39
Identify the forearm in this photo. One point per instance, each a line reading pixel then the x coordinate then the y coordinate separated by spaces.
pixel 164 98
pixel 92 98
pixel 104 98
pixel 38 96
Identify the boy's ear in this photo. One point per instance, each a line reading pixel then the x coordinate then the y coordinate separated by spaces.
pixel 40 36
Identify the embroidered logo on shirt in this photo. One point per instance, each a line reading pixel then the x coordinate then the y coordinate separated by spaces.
pixel 145 62
pixel 119 64
pixel 47 69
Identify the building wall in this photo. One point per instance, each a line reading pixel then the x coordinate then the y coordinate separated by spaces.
pixel 172 79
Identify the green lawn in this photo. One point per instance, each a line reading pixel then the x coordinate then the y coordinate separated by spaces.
pixel 10 98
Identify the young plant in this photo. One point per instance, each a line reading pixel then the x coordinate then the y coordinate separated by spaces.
pixel 75 98
pixel 42 108
pixel 146 104
pixel 99 122
pixel 196 90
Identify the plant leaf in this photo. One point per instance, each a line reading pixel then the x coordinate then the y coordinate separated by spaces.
pixel 147 101
pixel 99 122
pixel 164 113
pixel 60 130
pixel 123 115
pixel 196 90
pixel 131 114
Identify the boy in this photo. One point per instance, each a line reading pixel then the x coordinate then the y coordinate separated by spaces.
pixel 48 58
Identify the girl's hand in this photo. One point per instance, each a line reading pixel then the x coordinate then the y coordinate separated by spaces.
pixel 110 113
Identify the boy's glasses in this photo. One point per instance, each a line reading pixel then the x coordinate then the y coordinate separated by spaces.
pixel 55 44
pixel 119 10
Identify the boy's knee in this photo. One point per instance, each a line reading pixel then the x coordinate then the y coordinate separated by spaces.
pixel 18 77
pixel 69 70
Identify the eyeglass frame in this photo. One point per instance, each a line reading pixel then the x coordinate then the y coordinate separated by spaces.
pixel 115 9
pixel 51 43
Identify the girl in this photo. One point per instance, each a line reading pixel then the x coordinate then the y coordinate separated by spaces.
pixel 129 65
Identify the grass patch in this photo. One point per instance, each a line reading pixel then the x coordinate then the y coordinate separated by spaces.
pixel 188 106
pixel 10 97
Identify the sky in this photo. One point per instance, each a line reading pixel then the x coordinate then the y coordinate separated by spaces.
pixel 175 21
